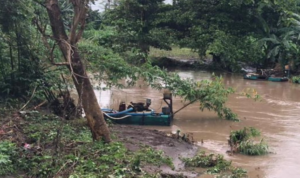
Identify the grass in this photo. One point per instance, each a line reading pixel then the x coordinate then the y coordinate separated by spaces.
pixel 252 149
pixel 176 52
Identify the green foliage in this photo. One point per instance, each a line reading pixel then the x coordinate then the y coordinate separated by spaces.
pixel 281 42
pixel 215 26
pixel 234 50
pixel 114 160
pixel 236 137
pixel 281 48
pixel 211 94
pixel 65 148
pixel 135 23
pixel 250 148
pixel 216 164
pixel 205 161
pixel 230 29
pixel 296 79
pixel 132 26
pixel 23 68
pixel 7 156
pixel 111 68
pixel 234 173
pixel 176 52
pixel 8 105
pixel 240 141
pixel 151 156
pixel 12 13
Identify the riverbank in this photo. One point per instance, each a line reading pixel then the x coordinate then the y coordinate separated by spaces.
pixel 134 136
pixel 39 144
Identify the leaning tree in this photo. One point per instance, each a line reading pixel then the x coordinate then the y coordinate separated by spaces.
pixel 66 35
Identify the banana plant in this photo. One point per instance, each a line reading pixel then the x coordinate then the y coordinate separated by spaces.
pixel 281 47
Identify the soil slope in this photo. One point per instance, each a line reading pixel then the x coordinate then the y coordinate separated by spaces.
pixel 134 136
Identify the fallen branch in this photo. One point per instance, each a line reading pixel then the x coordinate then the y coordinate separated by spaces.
pixel 39 105
pixel 29 99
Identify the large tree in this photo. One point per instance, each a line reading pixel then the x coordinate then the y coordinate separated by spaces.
pixel 137 26
pixel 67 43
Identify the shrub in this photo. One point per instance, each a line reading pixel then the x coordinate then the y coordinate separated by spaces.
pixel 216 164
pixel 250 148
pixel 7 154
pixel 240 141
pixel 296 79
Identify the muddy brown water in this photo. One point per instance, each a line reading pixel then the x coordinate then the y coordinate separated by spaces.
pixel 277 116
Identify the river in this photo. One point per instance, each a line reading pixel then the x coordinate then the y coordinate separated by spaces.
pixel 276 116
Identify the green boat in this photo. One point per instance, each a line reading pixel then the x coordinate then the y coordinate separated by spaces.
pixel 140 114
pixel 253 76
pixel 278 79
pixel 144 118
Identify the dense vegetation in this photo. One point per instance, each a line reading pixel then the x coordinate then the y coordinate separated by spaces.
pixel 260 33
pixel 56 148
pixel 241 141
pixel 49 46
pixel 234 33
pixel 216 164
pixel 43 51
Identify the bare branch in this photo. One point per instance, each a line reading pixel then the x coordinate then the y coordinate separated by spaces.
pixel 69 56
pixel 82 26
pixel 79 19
pixel 51 50
pixel 75 21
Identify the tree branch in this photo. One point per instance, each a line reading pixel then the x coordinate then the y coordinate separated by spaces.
pixel 51 50
pixel 80 11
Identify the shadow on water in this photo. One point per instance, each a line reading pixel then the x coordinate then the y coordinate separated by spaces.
pixel 277 116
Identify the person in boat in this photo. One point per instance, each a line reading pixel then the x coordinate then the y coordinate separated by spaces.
pixel 139 106
pixel 136 106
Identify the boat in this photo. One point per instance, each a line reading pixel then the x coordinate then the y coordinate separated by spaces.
pixel 278 79
pixel 139 118
pixel 251 77
pixel 267 74
pixel 254 76
pixel 140 114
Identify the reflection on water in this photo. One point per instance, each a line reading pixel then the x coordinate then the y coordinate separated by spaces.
pixel 277 116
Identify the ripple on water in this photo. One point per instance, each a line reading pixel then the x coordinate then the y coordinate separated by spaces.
pixel 285 163
pixel 275 115
pixel 217 147
pixel 283 103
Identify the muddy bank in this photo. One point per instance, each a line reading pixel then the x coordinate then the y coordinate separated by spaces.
pixel 134 136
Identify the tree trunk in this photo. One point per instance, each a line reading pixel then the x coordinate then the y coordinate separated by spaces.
pixel 12 74
pixel 82 83
pixel 18 46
